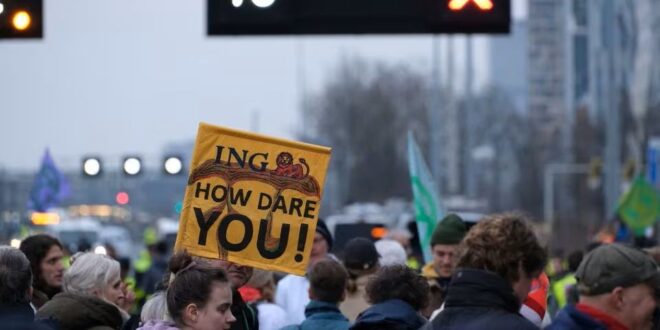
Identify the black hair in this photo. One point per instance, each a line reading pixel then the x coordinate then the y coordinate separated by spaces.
pixel 398 282
pixel 36 248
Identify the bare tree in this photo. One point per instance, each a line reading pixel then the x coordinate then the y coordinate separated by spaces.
pixel 363 113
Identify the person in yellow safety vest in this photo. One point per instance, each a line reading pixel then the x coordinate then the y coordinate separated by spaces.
pixel 142 264
pixel 564 288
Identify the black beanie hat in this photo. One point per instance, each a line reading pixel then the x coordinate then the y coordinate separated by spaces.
pixel 449 231
pixel 322 229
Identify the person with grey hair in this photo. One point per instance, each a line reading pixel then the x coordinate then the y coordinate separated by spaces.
pixel 91 293
pixel 155 309
pixel 16 291
pixel 391 252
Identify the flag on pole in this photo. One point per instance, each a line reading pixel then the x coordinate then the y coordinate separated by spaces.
pixel 425 196
pixel 50 186
pixel 640 206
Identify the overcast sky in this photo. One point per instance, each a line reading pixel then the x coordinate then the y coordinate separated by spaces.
pixel 114 77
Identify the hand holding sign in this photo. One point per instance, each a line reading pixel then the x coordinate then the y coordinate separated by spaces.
pixel 243 207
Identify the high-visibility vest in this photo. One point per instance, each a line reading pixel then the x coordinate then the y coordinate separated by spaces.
pixel 561 287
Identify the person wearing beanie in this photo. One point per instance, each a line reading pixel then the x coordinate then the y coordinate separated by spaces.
pixel 444 240
pixel 292 290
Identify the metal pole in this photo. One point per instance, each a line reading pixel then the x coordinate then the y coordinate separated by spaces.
pixel 612 118
pixel 470 168
pixel 435 122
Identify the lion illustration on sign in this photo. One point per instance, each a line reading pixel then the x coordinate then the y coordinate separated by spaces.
pixel 286 167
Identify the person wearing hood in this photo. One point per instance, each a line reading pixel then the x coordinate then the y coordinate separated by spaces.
pixel 444 240
pixel 327 280
pixel 397 294
pixel 92 290
pixel 497 261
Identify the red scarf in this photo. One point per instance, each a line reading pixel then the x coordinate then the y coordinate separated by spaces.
pixel 610 322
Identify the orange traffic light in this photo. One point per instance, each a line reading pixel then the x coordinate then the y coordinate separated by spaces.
pixel 21 20
pixel 460 4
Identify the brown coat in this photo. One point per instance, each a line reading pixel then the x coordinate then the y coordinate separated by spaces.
pixel 356 302
pixel 74 312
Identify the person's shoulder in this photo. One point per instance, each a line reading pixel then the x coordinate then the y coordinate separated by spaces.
pixel 478 318
pixel 291 280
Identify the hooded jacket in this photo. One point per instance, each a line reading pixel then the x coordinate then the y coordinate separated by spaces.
pixel 478 299
pixel 393 314
pixel 73 312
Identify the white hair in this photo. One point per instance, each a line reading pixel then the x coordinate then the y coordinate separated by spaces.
pixel 155 308
pixel 391 252
pixel 90 272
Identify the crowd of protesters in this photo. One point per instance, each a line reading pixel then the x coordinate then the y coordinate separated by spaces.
pixel 495 274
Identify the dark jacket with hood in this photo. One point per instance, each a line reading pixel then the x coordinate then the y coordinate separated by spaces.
pixel 479 299
pixel 393 314
pixel 73 312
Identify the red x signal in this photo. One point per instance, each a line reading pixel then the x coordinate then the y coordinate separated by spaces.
pixel 460 4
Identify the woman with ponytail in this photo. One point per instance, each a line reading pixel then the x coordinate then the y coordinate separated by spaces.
pixel 198 297
pixel 361 262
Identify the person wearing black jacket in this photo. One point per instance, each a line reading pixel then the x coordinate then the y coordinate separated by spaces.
pixel 497 261
pixel 15 292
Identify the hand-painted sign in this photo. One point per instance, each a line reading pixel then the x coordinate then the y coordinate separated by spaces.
pixel 252 199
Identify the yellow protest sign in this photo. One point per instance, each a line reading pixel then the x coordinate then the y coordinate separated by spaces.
pixel 252 199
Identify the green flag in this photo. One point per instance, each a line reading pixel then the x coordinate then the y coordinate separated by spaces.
pixel 425 196
pixel 640 206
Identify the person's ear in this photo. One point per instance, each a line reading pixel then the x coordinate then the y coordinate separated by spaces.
pixel 191 313
pixel 310 294
pixel 96 293
pixel 616 296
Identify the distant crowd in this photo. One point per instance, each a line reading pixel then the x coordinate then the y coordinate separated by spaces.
pixel 494 274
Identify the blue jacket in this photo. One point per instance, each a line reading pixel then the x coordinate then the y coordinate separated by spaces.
pixel 322 316
pixel 392 314
pixel 571 318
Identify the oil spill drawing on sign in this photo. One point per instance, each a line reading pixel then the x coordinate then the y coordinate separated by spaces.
pixel 252 199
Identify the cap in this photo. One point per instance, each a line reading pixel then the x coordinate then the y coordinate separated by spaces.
pixel 613 265
pixel 360 254
pixel 449 231
pixel 322 229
